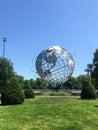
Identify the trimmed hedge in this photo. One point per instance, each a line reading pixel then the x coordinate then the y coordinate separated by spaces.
pixel 88 91
pixel 29 93
pixel 12 94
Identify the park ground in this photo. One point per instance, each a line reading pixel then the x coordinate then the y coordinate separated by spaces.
pixel 51 113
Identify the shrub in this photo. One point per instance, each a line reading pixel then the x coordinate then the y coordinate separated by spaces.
pixel 88 91
pixel 6 72
pixel 27 84
pixel 12 94
pixel 29 93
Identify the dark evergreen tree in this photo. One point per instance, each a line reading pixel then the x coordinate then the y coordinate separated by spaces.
pixel 95 72
pixel 29 93
pixel 20 79
pixel 88 91
pixel 13 93
pixel 6 72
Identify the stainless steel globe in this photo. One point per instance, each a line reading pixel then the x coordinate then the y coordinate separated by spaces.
pixel 55 65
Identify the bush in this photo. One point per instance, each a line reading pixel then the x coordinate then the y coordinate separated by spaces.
pixel 12 94
pixel 29 93
pixel 88 91
pixel 6 72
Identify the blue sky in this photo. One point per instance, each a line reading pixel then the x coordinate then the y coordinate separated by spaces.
pixel 33 25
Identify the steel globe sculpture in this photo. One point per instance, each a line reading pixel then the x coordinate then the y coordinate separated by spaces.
pixel 55 65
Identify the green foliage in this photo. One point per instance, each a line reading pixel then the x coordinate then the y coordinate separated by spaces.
pixel 12 94
pixel 88 91
pixel 6 72
pixel 95 72
pixel 32 83
pixel 69 83
pixel 27 84
pixel 20 79
pixel 72 83
pixel 29 93
pixel 40 84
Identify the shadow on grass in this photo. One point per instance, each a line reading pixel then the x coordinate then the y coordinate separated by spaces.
pixel 2 105
pixel 95 105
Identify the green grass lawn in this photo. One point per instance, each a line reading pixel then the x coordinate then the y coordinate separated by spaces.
pixel 50 113
pixel 56 93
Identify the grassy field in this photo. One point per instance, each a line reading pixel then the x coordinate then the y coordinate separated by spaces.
pixel 50 113
pixel 54 93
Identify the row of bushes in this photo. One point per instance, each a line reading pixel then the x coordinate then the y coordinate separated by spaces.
pixel 13 93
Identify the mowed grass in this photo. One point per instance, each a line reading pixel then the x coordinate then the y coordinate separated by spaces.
pixel 56 93
pixel 50 113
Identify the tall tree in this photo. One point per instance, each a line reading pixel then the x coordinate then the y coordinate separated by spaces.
pixel 6 72
pixel 95 72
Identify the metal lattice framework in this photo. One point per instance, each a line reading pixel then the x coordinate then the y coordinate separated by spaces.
pixel 55 65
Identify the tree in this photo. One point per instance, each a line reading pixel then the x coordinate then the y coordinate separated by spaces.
pixel 88 91
pixel 26 84
pixel 29 93
pixel 12 94
pixel 72 83
pixel 20 79
pixel 32 83
pixel 81 79
pixel 95 72
pixel 6 72
pixel 77 83
pixel 41 84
